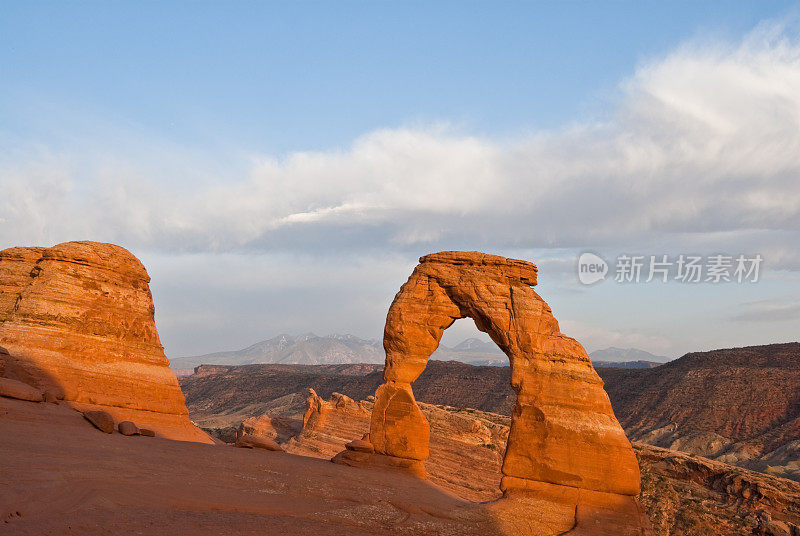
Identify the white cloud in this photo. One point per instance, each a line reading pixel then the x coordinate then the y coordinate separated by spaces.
pixel 706 139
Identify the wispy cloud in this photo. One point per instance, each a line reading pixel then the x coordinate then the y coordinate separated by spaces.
pixel 776 310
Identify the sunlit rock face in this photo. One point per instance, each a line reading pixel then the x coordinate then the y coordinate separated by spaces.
pixel 563 429
pixel 77 320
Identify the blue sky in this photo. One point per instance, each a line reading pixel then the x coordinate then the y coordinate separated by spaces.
pixel 287 76
pixel 320 148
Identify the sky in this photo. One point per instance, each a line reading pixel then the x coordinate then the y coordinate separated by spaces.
pixel 280 167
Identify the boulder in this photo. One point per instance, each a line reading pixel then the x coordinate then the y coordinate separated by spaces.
pixel 77 319
pixel 147 432
pixel 128 428
pixel 359 445
pixel 255 442
pixel 101 420
pixel 15 389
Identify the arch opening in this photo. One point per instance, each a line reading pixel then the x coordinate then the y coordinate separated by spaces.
pixel 463 341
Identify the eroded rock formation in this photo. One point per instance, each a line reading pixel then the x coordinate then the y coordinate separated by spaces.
pixel 565 443
pixel 78 321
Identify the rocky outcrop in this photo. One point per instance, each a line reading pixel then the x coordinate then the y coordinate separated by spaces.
pixel 275 428
pixel 563 428
pixel 229 395
pixel 327 422
pixel 687 495
pixel 466 447
pixel 77 320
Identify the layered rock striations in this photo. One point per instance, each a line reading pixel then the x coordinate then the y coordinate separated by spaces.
pixel 77 320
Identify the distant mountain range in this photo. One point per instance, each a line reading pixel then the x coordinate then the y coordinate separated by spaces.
pixel 311 349
pixel 629 358
pixel 306 349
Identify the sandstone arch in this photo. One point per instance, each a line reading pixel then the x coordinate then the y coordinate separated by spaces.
pixel 563 429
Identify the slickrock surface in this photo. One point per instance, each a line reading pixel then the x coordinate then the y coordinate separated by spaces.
pixel 61 476
pixel 78 320
pixel 563 428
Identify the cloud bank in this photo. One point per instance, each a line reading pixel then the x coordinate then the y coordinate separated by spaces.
pixel 701 144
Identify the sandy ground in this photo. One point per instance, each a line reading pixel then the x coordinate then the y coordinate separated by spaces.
pixel 59 475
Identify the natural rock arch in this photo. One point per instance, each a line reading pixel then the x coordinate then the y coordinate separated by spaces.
pixel 563 429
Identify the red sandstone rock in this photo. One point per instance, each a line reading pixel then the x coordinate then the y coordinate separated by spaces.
pixel 260 426
pixel 255 442
pixel 359 445
pixel 147 432
pixel 403 430
pixel 101 420
pixel 370 459
pixel 329 422
pixel 78 320
pixel 16 265
pixel 318 410
pixel 563 429
pixel 4 357
pixel 14 389
pixel 128 428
